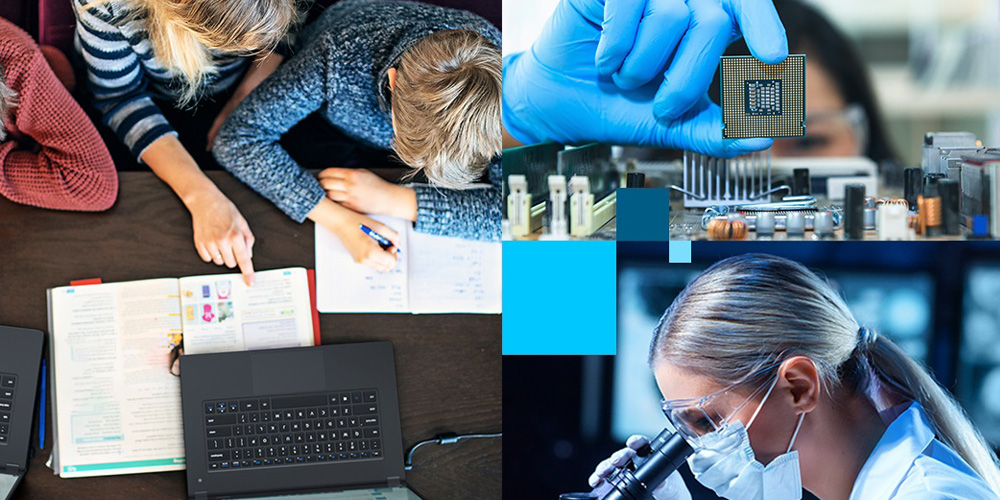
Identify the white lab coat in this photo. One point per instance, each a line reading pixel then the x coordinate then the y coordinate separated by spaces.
pixel 909 463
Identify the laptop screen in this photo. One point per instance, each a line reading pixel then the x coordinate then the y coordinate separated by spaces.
pixel 397 493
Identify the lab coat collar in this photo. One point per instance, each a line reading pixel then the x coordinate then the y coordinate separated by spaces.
pixel 904 440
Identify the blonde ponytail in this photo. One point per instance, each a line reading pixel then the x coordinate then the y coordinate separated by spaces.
pixel 753 311
pixel 894 368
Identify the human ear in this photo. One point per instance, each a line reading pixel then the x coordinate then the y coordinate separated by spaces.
pixel 799 376
pixel 391 73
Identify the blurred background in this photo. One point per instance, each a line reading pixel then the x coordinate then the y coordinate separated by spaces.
pixel 939 301
pixel 932 65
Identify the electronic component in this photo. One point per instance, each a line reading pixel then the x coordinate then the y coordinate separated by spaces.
pixel 870 209
pixel 823 225
pixel 980 187
pixel 635 180
pixel 854 211
pixel 519 205
pixel 800 182
pixel 581 201
pixel 533 164
pixel 795 223
pixel 913 184
pixel 893 222
pixel 943 151
pixel 765 224
pixel 929 215
pixel 593 183
pixel 763 100
pixel 712 182
pixel 558 220
pixel 727 228
pixel 950 197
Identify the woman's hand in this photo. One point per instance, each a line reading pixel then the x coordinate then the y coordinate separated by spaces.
pixel 346 225
pixel 671 489
pixel 221 234
pixel 364 192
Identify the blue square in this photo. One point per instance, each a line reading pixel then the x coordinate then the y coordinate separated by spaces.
pixel 643 214
pixel 559 297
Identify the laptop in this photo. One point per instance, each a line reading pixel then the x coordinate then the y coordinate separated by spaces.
pixel 20 361
pixel 308 423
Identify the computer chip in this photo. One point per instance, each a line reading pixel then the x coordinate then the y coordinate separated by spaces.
pixel 763 100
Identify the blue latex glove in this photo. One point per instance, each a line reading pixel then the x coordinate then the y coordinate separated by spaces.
pixel 638 37
pixel 673 488
pixel 555 92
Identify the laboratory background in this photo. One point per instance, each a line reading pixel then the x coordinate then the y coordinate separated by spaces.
pixel 936 300
pixel 934 64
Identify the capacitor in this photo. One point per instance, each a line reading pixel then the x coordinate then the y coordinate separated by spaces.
pixel 913 185
pixel 854 211
pixel 823 224
pixel 765 224
pixel 870 212
pixel 800 182
pixel 795 223
pixel 950 211
pixel 635 180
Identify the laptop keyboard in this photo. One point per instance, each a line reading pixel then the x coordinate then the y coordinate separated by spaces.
pixel 7 384
pixel 282 431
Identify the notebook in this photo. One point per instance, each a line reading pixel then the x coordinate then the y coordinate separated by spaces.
pixel 435 274
pixel 117 408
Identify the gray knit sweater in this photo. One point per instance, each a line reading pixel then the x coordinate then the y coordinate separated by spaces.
pixel 340 68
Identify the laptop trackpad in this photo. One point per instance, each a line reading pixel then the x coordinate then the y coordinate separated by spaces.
pixel 288 372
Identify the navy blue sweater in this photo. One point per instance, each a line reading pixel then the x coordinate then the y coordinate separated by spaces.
pixel 340 68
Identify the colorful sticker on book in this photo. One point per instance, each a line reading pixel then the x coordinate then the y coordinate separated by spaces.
pixel 207 314
pixel 225 311
pixel 223 289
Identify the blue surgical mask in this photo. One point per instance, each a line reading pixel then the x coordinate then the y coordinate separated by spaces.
pixel 724 462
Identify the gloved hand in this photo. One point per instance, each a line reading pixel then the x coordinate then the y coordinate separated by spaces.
pixel 639 36
pixel 671 489
pixel 555 91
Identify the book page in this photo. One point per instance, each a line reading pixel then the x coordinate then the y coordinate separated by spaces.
pixel 345 286
pixel 453 275
pixel 118 407
pixel 221 313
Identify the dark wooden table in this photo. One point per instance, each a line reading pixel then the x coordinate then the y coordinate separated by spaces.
pixel 448 366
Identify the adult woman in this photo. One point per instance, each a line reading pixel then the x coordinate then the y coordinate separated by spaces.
pixel 843 117
pixel 145 58
pixel 758 357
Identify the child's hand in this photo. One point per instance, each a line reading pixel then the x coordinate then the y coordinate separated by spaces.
pixel 364 192
pixel 365 250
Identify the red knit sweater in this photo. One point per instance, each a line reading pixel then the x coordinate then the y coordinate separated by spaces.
pixel 53 156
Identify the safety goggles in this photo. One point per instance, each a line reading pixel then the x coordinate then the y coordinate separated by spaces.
pixel 696 417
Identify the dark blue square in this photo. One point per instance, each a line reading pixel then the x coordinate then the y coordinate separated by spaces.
pixel 643 214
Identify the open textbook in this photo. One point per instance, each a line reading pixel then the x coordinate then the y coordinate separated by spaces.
pixel 117 407
pixel 435 274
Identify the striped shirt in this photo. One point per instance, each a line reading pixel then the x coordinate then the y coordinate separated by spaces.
pixel 124 77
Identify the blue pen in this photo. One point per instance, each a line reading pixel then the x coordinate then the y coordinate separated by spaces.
pixel 41 410
pixel 381 240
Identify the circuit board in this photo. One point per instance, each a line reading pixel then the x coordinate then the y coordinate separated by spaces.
pixel 763 100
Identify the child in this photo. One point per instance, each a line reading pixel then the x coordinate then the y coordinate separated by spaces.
pixel 420 79
pixel 51 156
pixel 150 59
